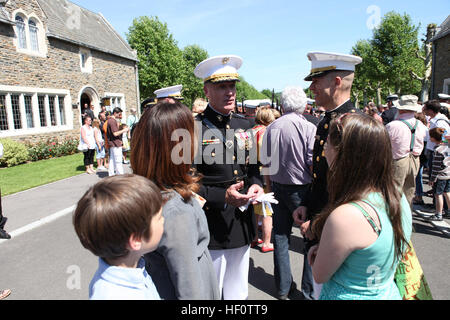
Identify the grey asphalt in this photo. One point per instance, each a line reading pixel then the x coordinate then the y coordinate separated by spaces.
pixel 48 261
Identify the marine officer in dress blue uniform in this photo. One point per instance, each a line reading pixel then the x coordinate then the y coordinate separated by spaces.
pixel 230 175
pixel 169 94
pixel 332 76
pixel 392 112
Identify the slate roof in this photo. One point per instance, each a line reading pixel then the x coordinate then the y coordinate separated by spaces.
pixel 443 29
pixel 4 16
pixel 70 22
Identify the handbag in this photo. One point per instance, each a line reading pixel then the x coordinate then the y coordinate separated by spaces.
pixel 410 279
pixel 82 146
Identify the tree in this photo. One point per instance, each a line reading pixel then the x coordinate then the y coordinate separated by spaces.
pixel 427 57
pixel 267 93
pixel 192 86
pixel 393 43
pixel 161 62
pixel 368 83
pixel 245 91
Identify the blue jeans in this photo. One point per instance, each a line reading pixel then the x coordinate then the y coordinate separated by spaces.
pixel 419 182
pixel 289 197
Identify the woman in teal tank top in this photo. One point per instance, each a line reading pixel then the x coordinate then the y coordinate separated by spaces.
pixel 367 224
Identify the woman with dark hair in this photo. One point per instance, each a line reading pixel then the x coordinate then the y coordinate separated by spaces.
pixel 181 267
pixel 367 224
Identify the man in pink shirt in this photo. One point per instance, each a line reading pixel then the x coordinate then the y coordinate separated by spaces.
pixel 407 136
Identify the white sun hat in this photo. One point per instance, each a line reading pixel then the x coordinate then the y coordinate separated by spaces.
pixel 409 102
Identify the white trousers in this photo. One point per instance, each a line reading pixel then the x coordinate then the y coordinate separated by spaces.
pixel 115 161
pixel 231 266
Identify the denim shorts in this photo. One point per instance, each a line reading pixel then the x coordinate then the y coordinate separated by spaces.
pixel 442 186
pixel 100 153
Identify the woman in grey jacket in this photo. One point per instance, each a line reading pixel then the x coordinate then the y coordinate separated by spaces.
pixel 181 267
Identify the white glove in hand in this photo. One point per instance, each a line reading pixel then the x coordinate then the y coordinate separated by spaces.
pixel 265 199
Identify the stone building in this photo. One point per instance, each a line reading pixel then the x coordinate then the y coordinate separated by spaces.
pixel 55 58
pixel 440 76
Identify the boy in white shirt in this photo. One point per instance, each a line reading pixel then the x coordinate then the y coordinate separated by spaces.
pixel 119 220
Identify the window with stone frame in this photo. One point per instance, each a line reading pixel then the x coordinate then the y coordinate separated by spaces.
pixel 29 111
pixel 3 113
pixel 85 60
pixel 21 32
pixel 30 34
pixel 42 113
pixel 34 35
pixel 15 107
pixel 25 110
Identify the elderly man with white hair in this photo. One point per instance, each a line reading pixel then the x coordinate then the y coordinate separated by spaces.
pixel 290 170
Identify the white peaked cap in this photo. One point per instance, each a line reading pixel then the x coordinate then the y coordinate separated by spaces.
pixel 443 96
pixel 322 62
pixel 169 92
pixel 392 97
pixel 219 68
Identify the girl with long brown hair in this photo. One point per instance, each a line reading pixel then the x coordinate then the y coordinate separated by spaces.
pixel 367 224
pixel 162 150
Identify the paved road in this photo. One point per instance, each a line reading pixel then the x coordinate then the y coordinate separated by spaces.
pixel 45 260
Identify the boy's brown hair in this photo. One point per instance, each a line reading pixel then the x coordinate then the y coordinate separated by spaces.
pixel 437 133
pixel 114 209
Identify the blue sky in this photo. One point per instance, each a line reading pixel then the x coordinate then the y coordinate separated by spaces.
pixel 273 37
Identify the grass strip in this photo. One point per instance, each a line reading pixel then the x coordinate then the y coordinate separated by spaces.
pixel 33 174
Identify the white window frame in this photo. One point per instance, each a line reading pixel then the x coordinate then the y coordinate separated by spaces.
pixel 41 38
pixel 118 96
pixel 87 68
pixel 445 86
pixel 34 92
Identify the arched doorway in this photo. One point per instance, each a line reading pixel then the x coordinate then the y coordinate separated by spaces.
pixel 85 101
pixel 88 96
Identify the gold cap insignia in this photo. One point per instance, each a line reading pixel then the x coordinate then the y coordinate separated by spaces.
pixel 225 60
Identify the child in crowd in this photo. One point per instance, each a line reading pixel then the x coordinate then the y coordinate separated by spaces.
pixel 99 145
pixel 119 219
pixel 125 144
pixel 440 173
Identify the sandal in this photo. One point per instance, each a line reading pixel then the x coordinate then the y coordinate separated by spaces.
pixel 266 249
pixel 4 293
pixel 255 243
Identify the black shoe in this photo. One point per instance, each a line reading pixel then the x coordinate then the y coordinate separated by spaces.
pixel 4 234
pixel 291 290
pixel 436 217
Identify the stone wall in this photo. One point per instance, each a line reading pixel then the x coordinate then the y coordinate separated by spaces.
pixel 442 65
pixel 60 69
